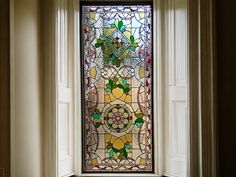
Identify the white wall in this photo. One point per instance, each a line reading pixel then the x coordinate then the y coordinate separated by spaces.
pixel 27 91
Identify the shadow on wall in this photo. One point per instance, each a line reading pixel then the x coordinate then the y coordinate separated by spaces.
pixel 4 89
pixel 226 51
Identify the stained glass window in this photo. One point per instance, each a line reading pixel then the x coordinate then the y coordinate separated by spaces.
pixel 117 87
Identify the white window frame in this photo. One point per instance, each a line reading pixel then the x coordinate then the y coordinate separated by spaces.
pixel 202 149
pixel 157 81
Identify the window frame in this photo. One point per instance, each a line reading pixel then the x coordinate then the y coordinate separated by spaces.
pixel 202 124
pixel 157 71
pixel 154 80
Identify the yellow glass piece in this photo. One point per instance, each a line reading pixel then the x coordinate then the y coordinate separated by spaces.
pixel 123 97
pixel 128 99
pixel 108 31
pixel 94 161
pixel 107 137
pixel 113 138
pixel 92 15
pixel 115 155
pixel 127 34
pixel 93 72
pixel 112 98
pixel 138 111
pixel 142 161
pixel 125 54
pixel 142 15
pixel 117 92
pixel 128 137
pixel 120 80
pixel 141 72
pixel 123 138
pixel 107 99
pixel 118 144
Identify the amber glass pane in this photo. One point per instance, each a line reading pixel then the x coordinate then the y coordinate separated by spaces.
pixel 117 88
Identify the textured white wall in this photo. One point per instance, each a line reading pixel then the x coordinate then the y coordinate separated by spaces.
pixel 27 89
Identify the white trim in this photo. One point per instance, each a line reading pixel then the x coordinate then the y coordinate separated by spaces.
pixel 77 88
pixel 118 175
pixel 158 85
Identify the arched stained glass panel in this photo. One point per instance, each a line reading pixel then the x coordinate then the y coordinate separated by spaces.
pixel 117 87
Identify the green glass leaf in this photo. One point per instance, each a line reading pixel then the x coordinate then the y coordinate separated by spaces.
pixel 138 125
pixel 100 41
pixel 97 45
pixel 122 29
pixel 131 48
pixel 124 82
pixel 139 122
pixel 135 45
pixel 96 121
pixel 111 83
pixel 115 79
pixel 103 47
pixel 121 156
pixel 112 57
pixel 98 124
pixel 103 38
pixel 127 146
pixel 127 85
pixel 139 115
pixel 121 150
pixel 111 153
pixel 128 150
pixel 98 111
pixel 120 86
pixel 115 155
pixel 115 150
pixel 109 146
pixel 120 24
pixel 116 22
pixel 97 116
pixel 118 63
pixel 127 90
pixel 108 90
pixel 106 61
pixel 125 154
pixel 132 38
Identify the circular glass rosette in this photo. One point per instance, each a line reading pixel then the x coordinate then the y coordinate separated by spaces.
pixel 118 118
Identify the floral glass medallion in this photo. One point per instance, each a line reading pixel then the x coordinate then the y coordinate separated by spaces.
pixel 117 88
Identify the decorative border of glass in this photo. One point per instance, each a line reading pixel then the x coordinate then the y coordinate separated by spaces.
pixel 117 87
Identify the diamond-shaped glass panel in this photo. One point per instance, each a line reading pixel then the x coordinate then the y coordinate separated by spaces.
pixel 118 42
